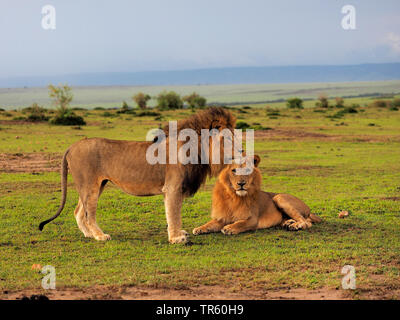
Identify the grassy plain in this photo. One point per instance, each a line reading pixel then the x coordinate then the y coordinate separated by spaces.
pixel 112 96
pixel 347 163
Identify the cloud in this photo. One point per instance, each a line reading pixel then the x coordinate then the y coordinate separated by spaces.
pixel 393 41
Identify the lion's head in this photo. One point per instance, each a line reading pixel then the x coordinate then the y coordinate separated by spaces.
pixel 240 179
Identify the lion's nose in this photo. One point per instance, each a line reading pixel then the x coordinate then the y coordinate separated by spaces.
pixel 241 183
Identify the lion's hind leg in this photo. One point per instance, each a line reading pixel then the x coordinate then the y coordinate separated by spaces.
pixel 211 226
pixel 81 220
pixel 296 209
pixel 90 205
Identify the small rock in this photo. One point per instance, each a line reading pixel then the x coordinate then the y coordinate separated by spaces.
pixel 36 267
pixel 343 214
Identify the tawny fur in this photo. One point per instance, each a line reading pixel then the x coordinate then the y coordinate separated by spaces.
pixel 239 205
pixel 96 161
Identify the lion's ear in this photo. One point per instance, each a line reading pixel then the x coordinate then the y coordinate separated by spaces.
pixel 257 160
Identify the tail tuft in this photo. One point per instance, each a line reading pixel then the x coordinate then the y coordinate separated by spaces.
pixel 41 225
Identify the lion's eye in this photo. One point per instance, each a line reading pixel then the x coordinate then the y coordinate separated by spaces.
pixel 234 170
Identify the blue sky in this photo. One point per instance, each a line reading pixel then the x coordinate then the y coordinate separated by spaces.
pixel 123 35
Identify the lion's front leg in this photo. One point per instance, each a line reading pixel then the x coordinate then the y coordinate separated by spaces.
pixel 173 205
pixel 211 226
pixel 240 226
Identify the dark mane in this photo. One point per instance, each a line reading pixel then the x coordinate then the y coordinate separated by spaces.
pixel 212 118
pixel 205 119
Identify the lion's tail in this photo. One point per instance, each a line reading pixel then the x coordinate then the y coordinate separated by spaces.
pixel 314 218
pixel 64 176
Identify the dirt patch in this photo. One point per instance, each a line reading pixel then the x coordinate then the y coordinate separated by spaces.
pixel 299 134
pixel 30 162
pixel 287 134
pixel 197 293
pixel 391 198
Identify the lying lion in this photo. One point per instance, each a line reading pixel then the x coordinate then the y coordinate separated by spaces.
pixel 239 205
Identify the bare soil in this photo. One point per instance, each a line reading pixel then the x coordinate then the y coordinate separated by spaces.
pixel 299 134
pixel 197 293
pixel 30 162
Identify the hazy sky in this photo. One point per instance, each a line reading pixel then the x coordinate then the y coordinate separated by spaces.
pixel 129 35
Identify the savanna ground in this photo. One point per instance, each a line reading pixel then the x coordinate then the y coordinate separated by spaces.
pixel 332 163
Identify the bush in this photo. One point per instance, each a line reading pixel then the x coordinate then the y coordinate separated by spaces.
pixel 141 99
pixel 169 100
pixel 126 109
pixel 396 103
pixel 148 114
pixel 36 113
pixel 294 103
pixel 380 104
pixel 99 108
pixel 195 101
pixel 323 101
pixel 342 112
pixel 242 125
pixel 62 97
pixel 339 102
pixel 108 114
pixel 68 118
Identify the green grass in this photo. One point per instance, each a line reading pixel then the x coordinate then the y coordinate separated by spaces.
pixel 112 96
pixel 355 167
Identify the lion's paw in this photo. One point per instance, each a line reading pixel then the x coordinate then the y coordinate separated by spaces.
pixel 199 230
pixel 182 237
pixel 103 237
pixel 287 223
pixel 229 230
pixel 298 225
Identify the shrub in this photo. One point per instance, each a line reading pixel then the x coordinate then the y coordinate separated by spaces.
pixel 339 102
pixel 148 114
pixel 36 113
pixel 294 103
pixel 126 109
pixel 380 104
pixel 68 118
pixel 323 101
pixel 99 108
pixel 169 100
pixel 342 112
pixel 242 125
pixel 141 99
pixel 62 97
pixel 195 101
pixel 396 102
pixel 109 114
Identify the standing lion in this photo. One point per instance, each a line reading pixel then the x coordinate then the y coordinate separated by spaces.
pixel 96 161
